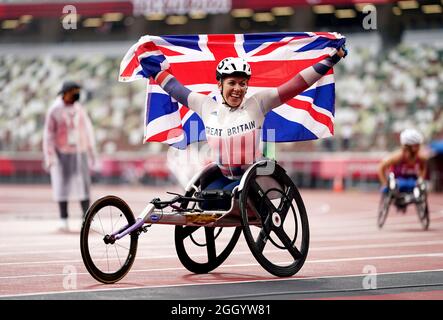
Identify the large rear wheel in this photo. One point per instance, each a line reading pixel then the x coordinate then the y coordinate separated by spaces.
pixel 280 242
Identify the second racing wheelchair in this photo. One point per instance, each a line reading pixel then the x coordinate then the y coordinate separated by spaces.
pixel 401 193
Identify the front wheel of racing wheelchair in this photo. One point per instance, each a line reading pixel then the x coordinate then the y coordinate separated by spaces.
pixel 106 259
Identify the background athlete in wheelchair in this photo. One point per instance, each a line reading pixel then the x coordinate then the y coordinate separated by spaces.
pixel 405 182
pixel 253 195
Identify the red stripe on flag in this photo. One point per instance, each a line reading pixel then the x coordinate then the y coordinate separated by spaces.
pixel 222 46
pixel 134 62
pixel 275 73
pixel 130 67
pixel 326 35
pixel 317 116
pixel 169 52
pixel 167 134
pixel 183 111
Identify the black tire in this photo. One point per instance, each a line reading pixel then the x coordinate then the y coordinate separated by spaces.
pixel 187 235
pixel 108 263
pixel 383 209
pixel 423 213
pixel 255 204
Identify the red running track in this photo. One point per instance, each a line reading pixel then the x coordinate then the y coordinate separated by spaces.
pixel 36 258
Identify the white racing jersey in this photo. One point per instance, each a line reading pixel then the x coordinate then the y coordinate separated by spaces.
pixel 234 134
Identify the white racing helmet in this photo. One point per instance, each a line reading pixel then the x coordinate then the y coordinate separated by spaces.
pixel 231 65
pixel 409 137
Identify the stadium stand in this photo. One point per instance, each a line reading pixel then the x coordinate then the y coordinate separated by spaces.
pixel 380 90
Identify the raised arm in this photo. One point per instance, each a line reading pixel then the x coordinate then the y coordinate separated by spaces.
pixel 307 77
pixel 179 92
pixel 301 81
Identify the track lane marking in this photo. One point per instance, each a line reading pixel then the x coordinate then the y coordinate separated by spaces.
pixel 217 283
pixel 243 265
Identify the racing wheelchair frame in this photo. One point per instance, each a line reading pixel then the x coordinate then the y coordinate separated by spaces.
pixel 266 206
pixel 401 200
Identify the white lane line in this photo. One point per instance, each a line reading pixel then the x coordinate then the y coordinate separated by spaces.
pixel 406 256
pixel 218 283
pixel 391 231
pixel 323 248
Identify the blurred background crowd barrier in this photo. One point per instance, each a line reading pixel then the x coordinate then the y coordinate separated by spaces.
pixel 392 79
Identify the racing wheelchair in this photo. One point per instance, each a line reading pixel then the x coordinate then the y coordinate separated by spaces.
pixel 266 206
pixel 401 197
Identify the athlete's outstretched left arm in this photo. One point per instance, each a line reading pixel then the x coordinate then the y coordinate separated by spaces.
pixel 301 81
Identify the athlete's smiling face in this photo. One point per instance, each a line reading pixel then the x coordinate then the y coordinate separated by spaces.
pixel 233 89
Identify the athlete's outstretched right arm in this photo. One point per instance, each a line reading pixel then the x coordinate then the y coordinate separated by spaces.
pixel 179 92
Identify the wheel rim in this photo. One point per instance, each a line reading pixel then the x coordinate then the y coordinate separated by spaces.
pixel 207 256
pixel 107 262
pixel 280 244
pixel 383 210
pixel 200 243
pixel 423 214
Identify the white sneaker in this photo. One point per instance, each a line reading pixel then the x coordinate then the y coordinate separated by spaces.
pixel 64 226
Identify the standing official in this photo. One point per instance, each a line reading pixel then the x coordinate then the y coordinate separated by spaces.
pixel 69 150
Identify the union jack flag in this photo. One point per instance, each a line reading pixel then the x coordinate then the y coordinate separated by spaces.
pixel 274 58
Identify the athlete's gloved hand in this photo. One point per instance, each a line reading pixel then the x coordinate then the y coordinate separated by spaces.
pixel 153 65
pixel 345 51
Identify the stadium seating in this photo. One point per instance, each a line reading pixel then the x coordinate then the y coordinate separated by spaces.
pixel 377 95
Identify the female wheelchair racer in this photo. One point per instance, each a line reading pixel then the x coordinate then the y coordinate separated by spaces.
pixel 257 198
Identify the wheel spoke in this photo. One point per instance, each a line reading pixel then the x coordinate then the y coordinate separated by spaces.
pixel 118 256
pixel 98 232
pixel 210 244
pixel 285 205
pixel 116 222
pixel 262 237
pixel 101 224
pixel 107 257
pixel 281 234
pixel 259 191
pixel 187 231
pixel 119 245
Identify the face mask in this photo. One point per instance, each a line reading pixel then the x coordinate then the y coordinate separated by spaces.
pixel 75 97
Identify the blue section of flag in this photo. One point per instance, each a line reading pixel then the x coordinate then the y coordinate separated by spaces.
pixel 254 40
pixel 194 131
pixel 287 130
pixel 323 96
pixel 151 65
pixel 322 43
pixel 160 105
pixel 190 41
